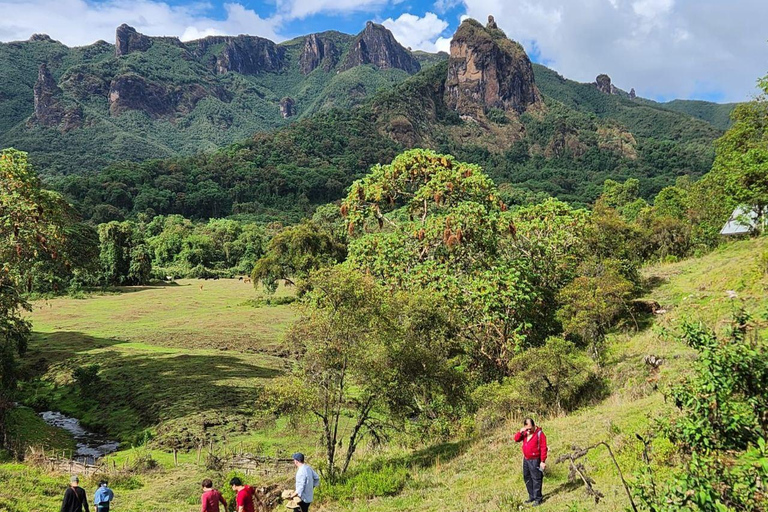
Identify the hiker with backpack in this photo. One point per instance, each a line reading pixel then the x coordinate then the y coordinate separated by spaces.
pixel 534 459
pixel 75 499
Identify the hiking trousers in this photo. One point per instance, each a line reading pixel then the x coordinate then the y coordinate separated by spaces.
pixel 533 477
pixel 303 506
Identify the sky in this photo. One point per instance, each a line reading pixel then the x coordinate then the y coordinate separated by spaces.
pixel 713 50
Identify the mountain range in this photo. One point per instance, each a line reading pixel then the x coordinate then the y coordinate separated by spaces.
pixel 84 112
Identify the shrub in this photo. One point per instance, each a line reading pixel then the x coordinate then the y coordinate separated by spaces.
pixel 367 483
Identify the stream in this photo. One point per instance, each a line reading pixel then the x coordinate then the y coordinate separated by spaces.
pixel 90 445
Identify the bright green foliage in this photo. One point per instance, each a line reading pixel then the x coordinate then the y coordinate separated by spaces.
pixel 295 252
pixel 553 379
pixel 721 428
pixel 125 259
pixel 427 221
pixel 725 404
pixel 742 155
pixel 182 248
pixel 592 303
pixel 368 358
pixel 28 228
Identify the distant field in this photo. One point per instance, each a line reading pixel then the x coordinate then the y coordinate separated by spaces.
pixel 192 356
pixel 188 314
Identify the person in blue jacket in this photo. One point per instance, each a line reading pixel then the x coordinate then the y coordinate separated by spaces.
pixel 103 497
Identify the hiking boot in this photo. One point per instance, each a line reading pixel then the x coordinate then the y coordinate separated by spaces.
pixel 529 500
pixel 536 504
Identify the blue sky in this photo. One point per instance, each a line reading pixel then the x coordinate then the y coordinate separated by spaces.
pixel 694 49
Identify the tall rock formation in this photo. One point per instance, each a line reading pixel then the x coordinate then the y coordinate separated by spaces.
pixel 50 109
pixel 318 51
pixel 287 107
pixel 488 70
pixel 127 40
pixel 604 85
pixel 632 94
pixel 250 55
pixel 376 45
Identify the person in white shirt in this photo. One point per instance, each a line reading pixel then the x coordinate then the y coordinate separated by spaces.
pixel 306 481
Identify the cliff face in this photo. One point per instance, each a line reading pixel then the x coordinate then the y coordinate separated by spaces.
pixel 317 52
pixel 50 110
pixel 376 45
pixel 250 55
pixel 487 70
pixel 133 92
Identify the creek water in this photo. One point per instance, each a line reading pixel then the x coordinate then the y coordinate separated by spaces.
pixel 90 445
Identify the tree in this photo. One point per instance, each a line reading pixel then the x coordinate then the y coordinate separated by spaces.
pixel 28 229
pixel 124 257
pixel 367 358
pixel 429 222
pixel 593 301
pixel 295 252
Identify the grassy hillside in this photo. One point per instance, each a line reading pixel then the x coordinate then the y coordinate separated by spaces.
pixel 133 333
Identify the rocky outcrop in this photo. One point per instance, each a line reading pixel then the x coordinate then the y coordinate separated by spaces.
pixel 376 45
pixel 41 37
pixel 632 94
pixel 603 84
pixel 487 70
pixel 127 40
pixel 134 92
pixel 318 51
pixel 50 109
pixel 491 23
pixel 287 107
pixel 250 55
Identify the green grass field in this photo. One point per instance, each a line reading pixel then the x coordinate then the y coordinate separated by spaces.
pixel 173 357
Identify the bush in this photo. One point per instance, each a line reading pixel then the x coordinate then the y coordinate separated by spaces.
pixel 553 379
pixel 87 377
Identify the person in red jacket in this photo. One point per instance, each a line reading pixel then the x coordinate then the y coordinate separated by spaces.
pixel 534 459
pixel 211 498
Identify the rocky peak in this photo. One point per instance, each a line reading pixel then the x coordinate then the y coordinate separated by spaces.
pixel 603 84
pixel 376 45
pixel 488 70
pixel 41 37
pixel 491 23
pixel 317 51
pixel 249 55
pixel 50 110
pixel 127 40
pixel 287 107
pixel 632 94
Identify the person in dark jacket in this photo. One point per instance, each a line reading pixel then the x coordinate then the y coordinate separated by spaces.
pixel 534 459
pixel 75 499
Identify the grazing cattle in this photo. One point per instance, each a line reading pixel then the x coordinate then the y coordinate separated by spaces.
pixel 215 278
pixel 240 278
pixel 201 287
pixel 247 280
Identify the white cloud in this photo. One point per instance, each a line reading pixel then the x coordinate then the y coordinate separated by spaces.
pixel 662 48
pixel 417 33
pixel 297 9
pixel 80 22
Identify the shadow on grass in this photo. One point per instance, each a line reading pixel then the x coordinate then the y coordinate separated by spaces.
pixel 137 389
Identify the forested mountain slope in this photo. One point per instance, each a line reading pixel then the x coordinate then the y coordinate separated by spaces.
pixel 533 131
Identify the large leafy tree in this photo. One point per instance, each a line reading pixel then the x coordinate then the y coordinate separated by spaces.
pixel 428 221
pixel 295 252
pixel 368 358
pixel 29 228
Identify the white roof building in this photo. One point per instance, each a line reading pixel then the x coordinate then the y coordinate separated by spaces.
pixel 744 220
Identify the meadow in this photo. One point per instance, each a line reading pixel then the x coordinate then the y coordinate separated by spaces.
pixel 180 363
